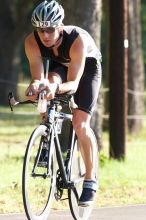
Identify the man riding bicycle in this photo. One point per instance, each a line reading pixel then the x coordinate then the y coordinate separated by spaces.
pixel 74 65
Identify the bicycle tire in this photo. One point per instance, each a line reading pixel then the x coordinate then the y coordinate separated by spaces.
pixel 38 192
pixel 78 172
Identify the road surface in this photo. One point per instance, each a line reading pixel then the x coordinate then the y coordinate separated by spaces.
pixel 137 212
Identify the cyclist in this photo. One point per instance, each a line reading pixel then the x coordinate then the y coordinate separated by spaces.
pixel 74 65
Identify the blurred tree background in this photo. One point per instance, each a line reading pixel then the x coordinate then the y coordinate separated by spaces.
pixel 94 17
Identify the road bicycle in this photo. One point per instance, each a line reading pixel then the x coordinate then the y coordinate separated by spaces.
pixel 49 174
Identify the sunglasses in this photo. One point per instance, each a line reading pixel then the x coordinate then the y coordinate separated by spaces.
pixel 48 30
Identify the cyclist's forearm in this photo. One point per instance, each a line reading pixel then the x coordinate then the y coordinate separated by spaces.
pixel 68 86
pixel 37 77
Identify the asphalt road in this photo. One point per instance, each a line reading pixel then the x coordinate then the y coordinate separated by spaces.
pixel 137 212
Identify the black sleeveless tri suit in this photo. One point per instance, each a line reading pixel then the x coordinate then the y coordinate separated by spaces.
pixel 87 92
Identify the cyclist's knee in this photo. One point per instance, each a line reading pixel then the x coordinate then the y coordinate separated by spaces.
pixel 81 123
pixel 54 77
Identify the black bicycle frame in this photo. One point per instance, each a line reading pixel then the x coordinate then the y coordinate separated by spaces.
pixel 63 168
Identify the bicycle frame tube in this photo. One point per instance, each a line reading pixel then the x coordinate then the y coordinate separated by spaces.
pixel 60 159
pixel 70 149
pixel 51 150
pixel 52 114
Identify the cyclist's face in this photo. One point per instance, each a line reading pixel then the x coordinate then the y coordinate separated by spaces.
pixel 48 36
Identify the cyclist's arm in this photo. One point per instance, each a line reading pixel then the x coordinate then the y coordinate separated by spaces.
pixel 76 66
pixel 34 57
pixel 36 66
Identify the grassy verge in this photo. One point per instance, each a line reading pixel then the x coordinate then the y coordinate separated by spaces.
pixel 124 182
pixel 120 182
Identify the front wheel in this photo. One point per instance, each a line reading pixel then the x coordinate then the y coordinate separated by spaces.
pixel 38 180
pixel 77 174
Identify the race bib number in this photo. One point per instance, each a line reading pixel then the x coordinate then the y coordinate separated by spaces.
pixel 43 24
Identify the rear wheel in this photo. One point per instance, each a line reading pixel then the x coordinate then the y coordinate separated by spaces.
pixel 38 183
pixel 77 176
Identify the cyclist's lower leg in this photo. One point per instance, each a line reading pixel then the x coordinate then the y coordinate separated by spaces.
pixel 81 123
pixel 88 150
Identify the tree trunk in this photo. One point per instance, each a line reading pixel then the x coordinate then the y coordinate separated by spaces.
pixel 87 14
pixel 118 78
pixel 136 68
pixel 8 46
pixel 14 24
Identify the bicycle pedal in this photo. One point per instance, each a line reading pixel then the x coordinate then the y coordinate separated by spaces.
pixel 57 197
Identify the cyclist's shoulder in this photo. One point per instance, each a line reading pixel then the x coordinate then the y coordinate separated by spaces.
pixel 78 35
pixel 30 40
pixel 31 46
pixel 70 29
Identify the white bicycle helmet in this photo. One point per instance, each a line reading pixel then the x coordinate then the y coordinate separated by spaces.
pixel 47 14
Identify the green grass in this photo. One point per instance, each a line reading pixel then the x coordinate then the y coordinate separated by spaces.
pixel 120 182
pixel 124 182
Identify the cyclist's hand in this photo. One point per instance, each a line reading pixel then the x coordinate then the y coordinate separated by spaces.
pixel 33 90
pixel 49 88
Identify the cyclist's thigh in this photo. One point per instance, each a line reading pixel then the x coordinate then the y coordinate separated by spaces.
pixel 59 69
pixel 87 93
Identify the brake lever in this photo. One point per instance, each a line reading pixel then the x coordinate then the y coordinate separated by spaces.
pixel 12 101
